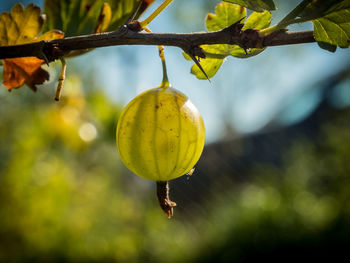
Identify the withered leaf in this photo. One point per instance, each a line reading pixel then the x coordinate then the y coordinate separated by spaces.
pixel 23 25
pixel 19 71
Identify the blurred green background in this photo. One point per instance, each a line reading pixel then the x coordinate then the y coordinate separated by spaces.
pixel 273 183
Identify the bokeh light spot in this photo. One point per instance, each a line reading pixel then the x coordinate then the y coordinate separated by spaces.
pixel 87 132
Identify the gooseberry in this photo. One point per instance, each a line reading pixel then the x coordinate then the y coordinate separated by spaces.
pixel 160 134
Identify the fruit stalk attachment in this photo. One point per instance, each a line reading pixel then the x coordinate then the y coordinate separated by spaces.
pixel 165 82
pixel 163 197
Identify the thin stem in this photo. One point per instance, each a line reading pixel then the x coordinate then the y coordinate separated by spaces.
pixel 165 81
pixel 61 79
pixel 160 8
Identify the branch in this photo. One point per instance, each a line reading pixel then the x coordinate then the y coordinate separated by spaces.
pixel 189 42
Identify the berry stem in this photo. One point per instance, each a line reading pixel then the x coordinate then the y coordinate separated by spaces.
pixel 163 197
pixel 165 82
pixel 156 12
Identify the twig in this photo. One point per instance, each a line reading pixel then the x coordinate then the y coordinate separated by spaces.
pixel 55 49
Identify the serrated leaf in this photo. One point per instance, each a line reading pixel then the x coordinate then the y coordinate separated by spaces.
pixel 258 21
pixel 18 27
pixel 333 28
pixel 21 25
pixel 80 17
pixel 331 19
pixel 256 5
pixel 211 66
pixel 225 15
pixel 19 71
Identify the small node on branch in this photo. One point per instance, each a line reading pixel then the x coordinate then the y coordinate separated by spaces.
pixel 236 28
pixel 250 38
pixel 195 52
pixel 198 52
pixel 135 26
pixel 52 51
pixel 163 197
pixel 41 54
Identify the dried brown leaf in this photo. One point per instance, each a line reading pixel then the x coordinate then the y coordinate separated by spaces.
pixel 23 25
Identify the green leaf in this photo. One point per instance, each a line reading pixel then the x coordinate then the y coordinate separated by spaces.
pixel 334 28
pixel 79 17
pixel 326 46
pixel 211 66
pixel 331 19
pixel 258 21
pixel 320 8
pixel 225 15
pixel 256 5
